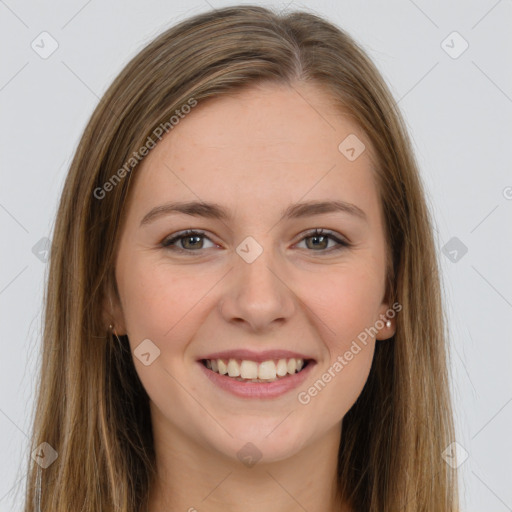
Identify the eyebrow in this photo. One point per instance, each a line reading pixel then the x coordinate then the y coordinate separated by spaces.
pixel 216 211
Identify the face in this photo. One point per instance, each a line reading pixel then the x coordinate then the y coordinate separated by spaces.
pixel 255 290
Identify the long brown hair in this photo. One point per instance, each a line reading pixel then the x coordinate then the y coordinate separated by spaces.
pixel 91 407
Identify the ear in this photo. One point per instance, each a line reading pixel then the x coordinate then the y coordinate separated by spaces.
pixel 385 323
pixel 387 314
pixel 113 310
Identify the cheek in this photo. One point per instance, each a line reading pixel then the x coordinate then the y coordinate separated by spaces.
pixel 346 307
pixel 346 301
pixel 156 299
pixel 347 379
pixel 161 304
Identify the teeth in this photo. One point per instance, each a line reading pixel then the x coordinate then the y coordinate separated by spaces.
pixel 249 370
pixel 233 368
pixel 282 368
pixel 223 367
pixel 267 370
pixel 245 370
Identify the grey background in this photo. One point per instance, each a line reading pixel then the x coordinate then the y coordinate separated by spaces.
pixel 459 114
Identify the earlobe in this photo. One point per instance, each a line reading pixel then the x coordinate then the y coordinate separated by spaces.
pixel 386 332
pixel 385 324
pixel 113 316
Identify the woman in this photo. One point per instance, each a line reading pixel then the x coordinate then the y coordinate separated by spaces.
pixel 244 303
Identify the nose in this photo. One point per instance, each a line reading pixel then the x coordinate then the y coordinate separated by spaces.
pixel 258 295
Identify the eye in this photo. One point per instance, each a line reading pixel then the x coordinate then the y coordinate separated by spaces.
pixel 320 240
pixel 190 241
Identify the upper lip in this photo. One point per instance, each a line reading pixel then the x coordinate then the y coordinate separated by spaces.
pixel 259 357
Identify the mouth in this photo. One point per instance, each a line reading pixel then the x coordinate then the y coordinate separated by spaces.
pixel 262 372
pixel 257 375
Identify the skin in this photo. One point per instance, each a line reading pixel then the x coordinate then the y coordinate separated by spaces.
pixel 255 153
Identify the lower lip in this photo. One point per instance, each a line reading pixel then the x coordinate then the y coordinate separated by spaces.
pixel 258 389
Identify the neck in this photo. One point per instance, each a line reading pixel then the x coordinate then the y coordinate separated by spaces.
pixel 191 477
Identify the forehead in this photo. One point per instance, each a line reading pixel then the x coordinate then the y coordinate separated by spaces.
pixel 264 145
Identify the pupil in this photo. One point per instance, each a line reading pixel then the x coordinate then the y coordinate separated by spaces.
pixel 316 237
pixel 192 237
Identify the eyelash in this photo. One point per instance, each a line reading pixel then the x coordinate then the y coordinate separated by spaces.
pixel 168 242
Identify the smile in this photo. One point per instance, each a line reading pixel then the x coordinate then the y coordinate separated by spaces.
pixel 252 371
pixel 253 375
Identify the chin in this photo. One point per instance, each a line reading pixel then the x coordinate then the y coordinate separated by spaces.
pixel 265 441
